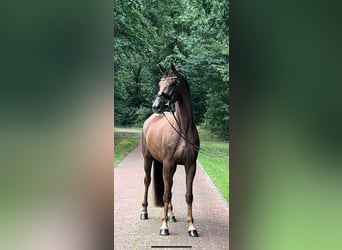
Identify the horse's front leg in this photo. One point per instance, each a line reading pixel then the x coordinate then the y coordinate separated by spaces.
pixel 190 174
pixel 147 181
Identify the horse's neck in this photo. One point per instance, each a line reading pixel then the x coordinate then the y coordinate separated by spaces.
pixel 184 112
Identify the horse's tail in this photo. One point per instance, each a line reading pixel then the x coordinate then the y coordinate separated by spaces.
pixel 158 183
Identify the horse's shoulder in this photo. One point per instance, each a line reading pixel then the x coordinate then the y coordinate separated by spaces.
pixel 152 121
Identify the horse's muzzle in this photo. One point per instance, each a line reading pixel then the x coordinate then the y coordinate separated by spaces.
pixel 158 106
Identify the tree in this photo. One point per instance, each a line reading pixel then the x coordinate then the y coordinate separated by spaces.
pixel 191 34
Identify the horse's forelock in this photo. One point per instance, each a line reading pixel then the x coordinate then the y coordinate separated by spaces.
pixel 180 74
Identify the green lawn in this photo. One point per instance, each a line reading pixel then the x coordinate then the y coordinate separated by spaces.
pixel 216 167
pixel 123 144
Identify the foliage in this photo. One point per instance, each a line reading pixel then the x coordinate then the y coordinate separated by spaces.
pixel 191 34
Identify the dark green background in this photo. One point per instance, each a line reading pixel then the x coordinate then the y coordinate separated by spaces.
pixel 285 145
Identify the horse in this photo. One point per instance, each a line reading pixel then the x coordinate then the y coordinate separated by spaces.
pixel 169 139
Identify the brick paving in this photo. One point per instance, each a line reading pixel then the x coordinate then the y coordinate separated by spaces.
pixel 210 211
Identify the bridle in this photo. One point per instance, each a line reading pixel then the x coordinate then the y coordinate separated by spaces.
pixel 166 98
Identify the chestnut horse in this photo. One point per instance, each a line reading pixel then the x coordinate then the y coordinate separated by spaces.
pixel 163 146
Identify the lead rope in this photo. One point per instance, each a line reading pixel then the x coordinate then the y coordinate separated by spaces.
pixel 181 134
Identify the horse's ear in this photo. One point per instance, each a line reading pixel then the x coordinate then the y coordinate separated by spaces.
pixel 161 69
pixel 173 68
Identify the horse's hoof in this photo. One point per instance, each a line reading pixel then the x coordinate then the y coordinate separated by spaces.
pixel 193 233
pixel 172 218
pixel 143 216
pixel 164 232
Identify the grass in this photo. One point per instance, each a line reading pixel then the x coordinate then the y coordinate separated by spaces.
pixel 123 144
pixel 216 167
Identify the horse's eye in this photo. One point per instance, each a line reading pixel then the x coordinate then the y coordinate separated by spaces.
pixel 172 84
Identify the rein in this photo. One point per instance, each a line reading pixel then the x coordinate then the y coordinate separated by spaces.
pixel 169 99
pixel 181 134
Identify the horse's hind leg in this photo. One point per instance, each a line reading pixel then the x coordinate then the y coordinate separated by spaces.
pixel 190 174
pixel 147 180
pixel 168 171
pixel 170 214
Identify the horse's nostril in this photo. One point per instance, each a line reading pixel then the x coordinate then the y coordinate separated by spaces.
pixel 157 106
pixel 157 109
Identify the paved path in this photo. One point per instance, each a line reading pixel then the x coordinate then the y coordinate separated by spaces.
pixel 210 211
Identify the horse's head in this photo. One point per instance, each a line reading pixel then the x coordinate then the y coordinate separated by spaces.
pixel 168 89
